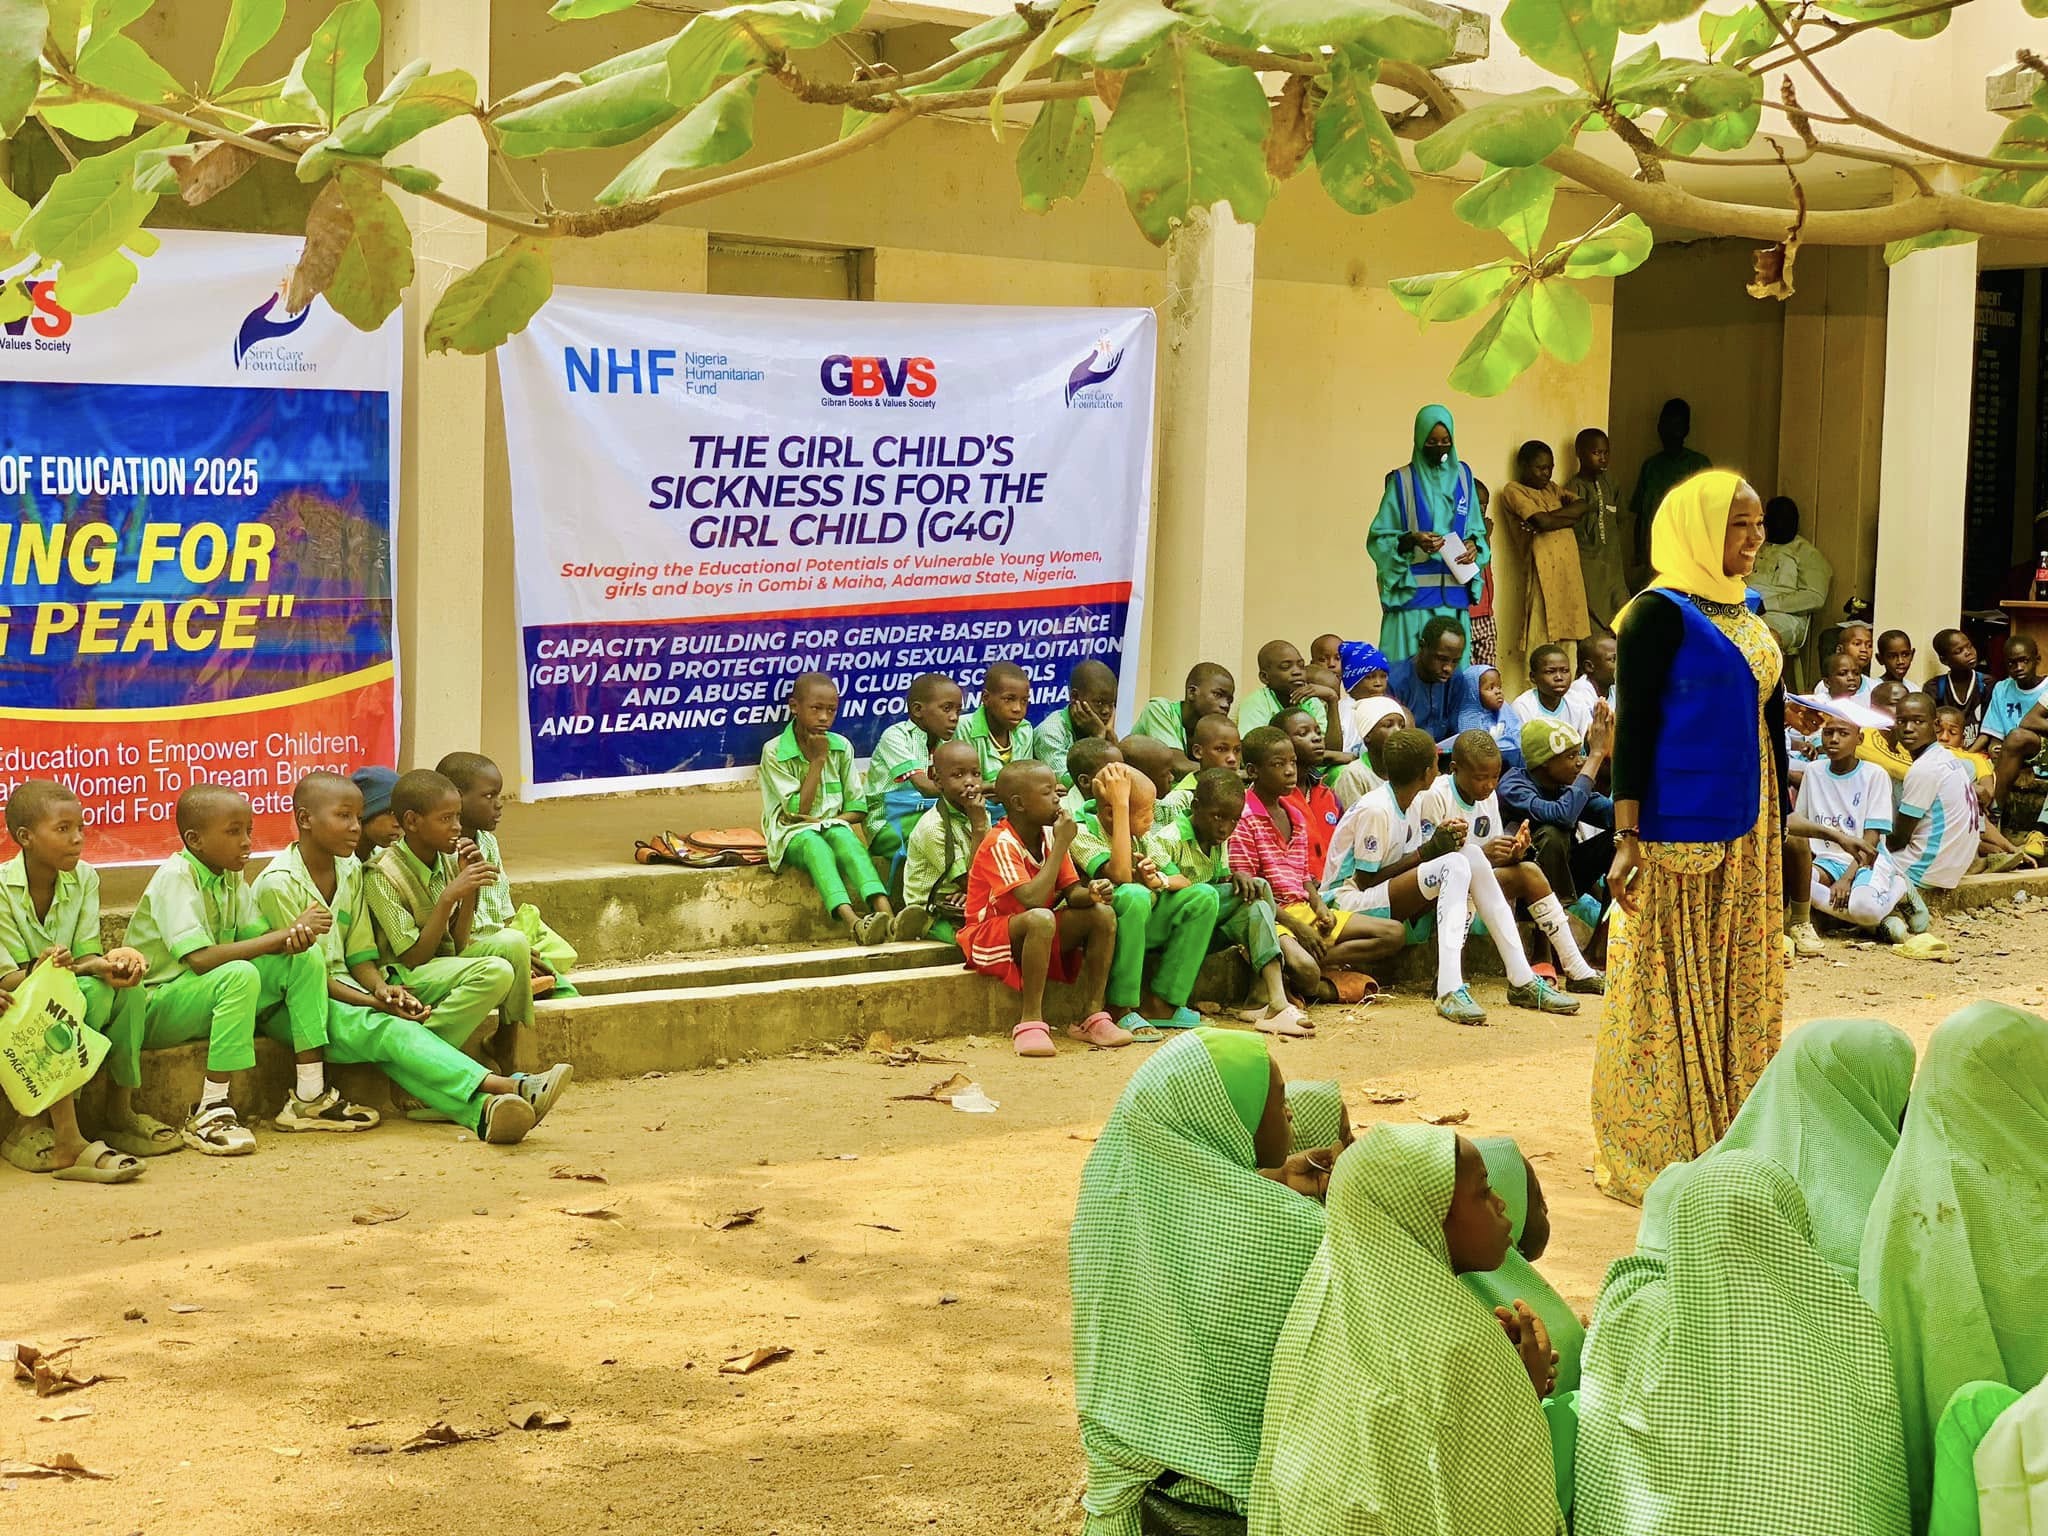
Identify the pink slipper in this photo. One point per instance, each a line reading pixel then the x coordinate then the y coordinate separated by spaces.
pixel 1100 1029
pixel 1032 1038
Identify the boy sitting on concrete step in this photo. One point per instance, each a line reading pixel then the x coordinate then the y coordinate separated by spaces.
pixel 943 844
pixel 1090 710
pixel 1210 690
pixel 998 728
pixel 899 784
pixel 482 787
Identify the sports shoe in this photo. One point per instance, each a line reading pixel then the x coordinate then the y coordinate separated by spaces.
pixel 1918 919
pixel 505 1120
pixel 1541 996
pixel 1894 929
pixel 329 1112
pixel 2035 845
pixel 1806 942
pixel 1594 985
pixel 1459 1008
pixel 541 1089
pixel 217 1131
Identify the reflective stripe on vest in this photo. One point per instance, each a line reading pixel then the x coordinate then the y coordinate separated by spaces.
pixel 1435 587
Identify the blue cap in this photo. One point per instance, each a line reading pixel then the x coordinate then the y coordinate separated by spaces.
pixel 376 784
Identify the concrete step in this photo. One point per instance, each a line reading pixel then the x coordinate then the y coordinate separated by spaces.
pixel 770 963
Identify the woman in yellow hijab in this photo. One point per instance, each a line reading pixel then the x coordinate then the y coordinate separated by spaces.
pixel 1696 987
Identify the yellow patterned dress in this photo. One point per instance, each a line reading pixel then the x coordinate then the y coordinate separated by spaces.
pixel 1696 993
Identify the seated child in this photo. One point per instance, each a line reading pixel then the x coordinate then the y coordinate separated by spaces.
pixel 50 915
pixel 1895 657
pixel 1090 710
pixel 899 785
pixel 1319 801
pixel 1283 681
pixel 1844 809
pixel 1086 758
pixel 374 1020
pixel 1599 660
pixel 1934 830
pixel 1387 861
pixel 809 803
pixel 1326 650
pixel 1951 729
pixel 1363 675
pixel 1802 737
pixel 1880 743
pixel 422 892
pixel 1961 684
pixel 1549 696
pixel 1839 678
pixel 2006 734
pixel 1554 592
pixel 483 806
pixel 943 844
pixel 1855 638
pixel 1325 680
pixel 1217 745
pixel 1487 713
pixel 1030 915
pixel 1553 794
pixel 998 729
pixel 214 969
pixel 380 825
pixel 1381 718
pixel 1468 794
pixel 1210 691
pixel 1271 844
pixel 1153 759
pixel 1159 910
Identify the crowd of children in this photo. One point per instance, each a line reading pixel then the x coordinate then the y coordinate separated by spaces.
pixel 385 935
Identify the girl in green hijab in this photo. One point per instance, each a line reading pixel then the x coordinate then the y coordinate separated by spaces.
pixel 1827 1111
pixel 1426 499
pixel 1955 1257
pixel 1183 1259
pixel 1317 1116
pixel 1740 1386
pixel 1398 1402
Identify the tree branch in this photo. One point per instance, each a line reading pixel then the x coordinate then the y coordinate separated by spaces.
pixel 1841 32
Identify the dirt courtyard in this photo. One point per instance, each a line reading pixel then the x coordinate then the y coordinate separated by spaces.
pixel 911 1259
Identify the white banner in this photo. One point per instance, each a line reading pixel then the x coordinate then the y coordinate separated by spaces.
pixel 712 496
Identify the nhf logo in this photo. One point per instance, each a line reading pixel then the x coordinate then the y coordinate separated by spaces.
pixel 49 318
pixel 866 377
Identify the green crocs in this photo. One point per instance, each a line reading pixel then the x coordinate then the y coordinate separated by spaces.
pixel 1459 1008
pixel 1540 995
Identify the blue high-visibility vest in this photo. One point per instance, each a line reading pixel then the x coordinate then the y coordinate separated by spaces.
pixel 1435 586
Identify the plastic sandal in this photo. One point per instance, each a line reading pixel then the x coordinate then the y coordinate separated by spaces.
pixel 150 1138
pixel 1182 1017
pixel 91 1167
pixel 1099 1029
pixel 506 1119
pixel 1147 1034
pixel 541 1089
pixel 1288 1024
pixel 29 1148
pixel 1032 1038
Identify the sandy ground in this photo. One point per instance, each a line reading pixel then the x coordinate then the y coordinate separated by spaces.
pixel 910 1258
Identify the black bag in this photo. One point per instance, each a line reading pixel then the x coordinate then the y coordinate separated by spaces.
pixel 1161 1514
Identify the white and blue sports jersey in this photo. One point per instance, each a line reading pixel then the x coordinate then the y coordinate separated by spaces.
pixel 1942 793
pixel 1855 802
pixel 1482 821
pixel 2009 705
pixel 1374 833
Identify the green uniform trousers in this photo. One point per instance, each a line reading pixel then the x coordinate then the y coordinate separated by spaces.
pixel 1249 925
pixel 291 999
pixel 835 858
pixel 462 992
pixel 512 947
pixel 116 1012
pixel 219 1008
pixel 1176 924
pixel 412 1055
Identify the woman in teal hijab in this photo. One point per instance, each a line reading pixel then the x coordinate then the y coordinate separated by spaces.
pixel 1426 499
pixel 1183 1259
pixel 1827 1111
pixel 1954 1259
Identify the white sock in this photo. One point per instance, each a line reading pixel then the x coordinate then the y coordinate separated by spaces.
pixel 1453 880
pixel 1549 916
pixel 312 1076
pixel 1500 919
pixel 212 1093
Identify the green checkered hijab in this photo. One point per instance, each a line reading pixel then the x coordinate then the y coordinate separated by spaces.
pixel 1397 1403
pixel 1954 1258
pixel 1318 1110
pixel 1740 1388
pixel 1182 1261
pixel 1826 1110
pixel 1517 1279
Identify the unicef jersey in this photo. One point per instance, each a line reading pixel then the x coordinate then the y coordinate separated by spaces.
pixel 1374 833
pixel 1482 821
pixel 1855 802
pixel 1942 793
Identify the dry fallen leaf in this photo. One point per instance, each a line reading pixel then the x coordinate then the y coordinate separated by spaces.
pixel 592 1212
pixel 878 1226
pixel 1077 1136
pixel 659 1125
pixel 1448 1117
pixel 64 1414
pixel 370 1448
pixel 652 1077
pixel 133 1315
pixel 733 1219
pixel 441 1433
pixel 364 1423
pixel 940 1093
pixel 286 1450
pixel 53 1381
pixel 535 1416
pixel 375 1216
pixel 1386 1093
pixel 582 1175
pixel 753 1360
pixel 63 1464
pixel 141 1232
pixel 881 1042
pixel 183 1308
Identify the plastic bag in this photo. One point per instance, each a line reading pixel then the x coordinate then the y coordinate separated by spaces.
pixel 46 1050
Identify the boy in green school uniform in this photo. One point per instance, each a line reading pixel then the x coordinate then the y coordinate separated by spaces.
pixel 373 1019
pixel 899 770
pixel 1085 759
pixel 998 729
pixel 1216 745
pixel 50 914
pixel 1090 711
pixel 809 804
pixel 482 786
pixel 214 970
pixel 422 891
pixel 942 847
pixel 1210 691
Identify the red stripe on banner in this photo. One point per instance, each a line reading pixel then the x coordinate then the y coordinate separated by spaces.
pixel 1106 592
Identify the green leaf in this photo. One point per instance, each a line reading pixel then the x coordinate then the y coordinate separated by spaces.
pixel 1566 37
pixel 1644 15
pixel 329 77
pixel 793 25
pixel 376 265
pixel 710 46
pixel 1009 27
pixel 1059 150
pixel 67 20
pixel 584 10
pixel 413 179
pixel 106 20
pixel 1188 132
pixel 13 210
pixel 22 26
pixel 2033 8
pixel 410 105
pixel 1917 27
pixel 1685 86
pixel 96 121
pixel 1065 21
pixel 718 129
pixel 96 287
pixel 15 302
pixel 262 103
pixel 1437 297
pixel 1509 130
pixel 1357 157
pixel 1392 31
pixel 485 306
pixel 122 65
pixel 1619 248
pixel 91 210
pixel 1118 34
pixel 1563 320
pixel 2025 138
pixel 251 24
pixel 1515 201
pixel 1899 250
pixel 1501 351
pixel 615 110
pixel 1737 37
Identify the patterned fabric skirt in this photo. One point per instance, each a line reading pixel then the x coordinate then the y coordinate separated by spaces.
pixel 1485 647
pixel 1695 1005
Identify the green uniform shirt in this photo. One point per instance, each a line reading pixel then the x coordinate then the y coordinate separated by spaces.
pixel 1160 719
pixel 1091 845
pixel 1204 866
pixel 73 921
pixel 286 889
pixel 782 779
pixel 1073 802
pixel 1262 704
pixel 974 729
pixel 493 902
pixel 1051 739
pixel 930 868
pixel 396 928
pixel 903 749
pixel 185 907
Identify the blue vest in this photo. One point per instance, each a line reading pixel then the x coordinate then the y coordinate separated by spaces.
pixel 1705 778
pixel 1435 586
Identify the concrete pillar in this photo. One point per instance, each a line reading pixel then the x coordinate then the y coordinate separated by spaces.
pixel 1197 590
pixel 441 422
pixel 1930 349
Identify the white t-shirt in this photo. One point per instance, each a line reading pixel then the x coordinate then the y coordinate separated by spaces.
pixel 1855 802
pixel 1574 712
pixel 1940 791
pixel 1482 821
pixel 1374 833
pixel 2009 705
pixel 1581 696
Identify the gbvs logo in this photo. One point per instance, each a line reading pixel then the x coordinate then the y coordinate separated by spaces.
pixel 866 377
pixel 49 318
